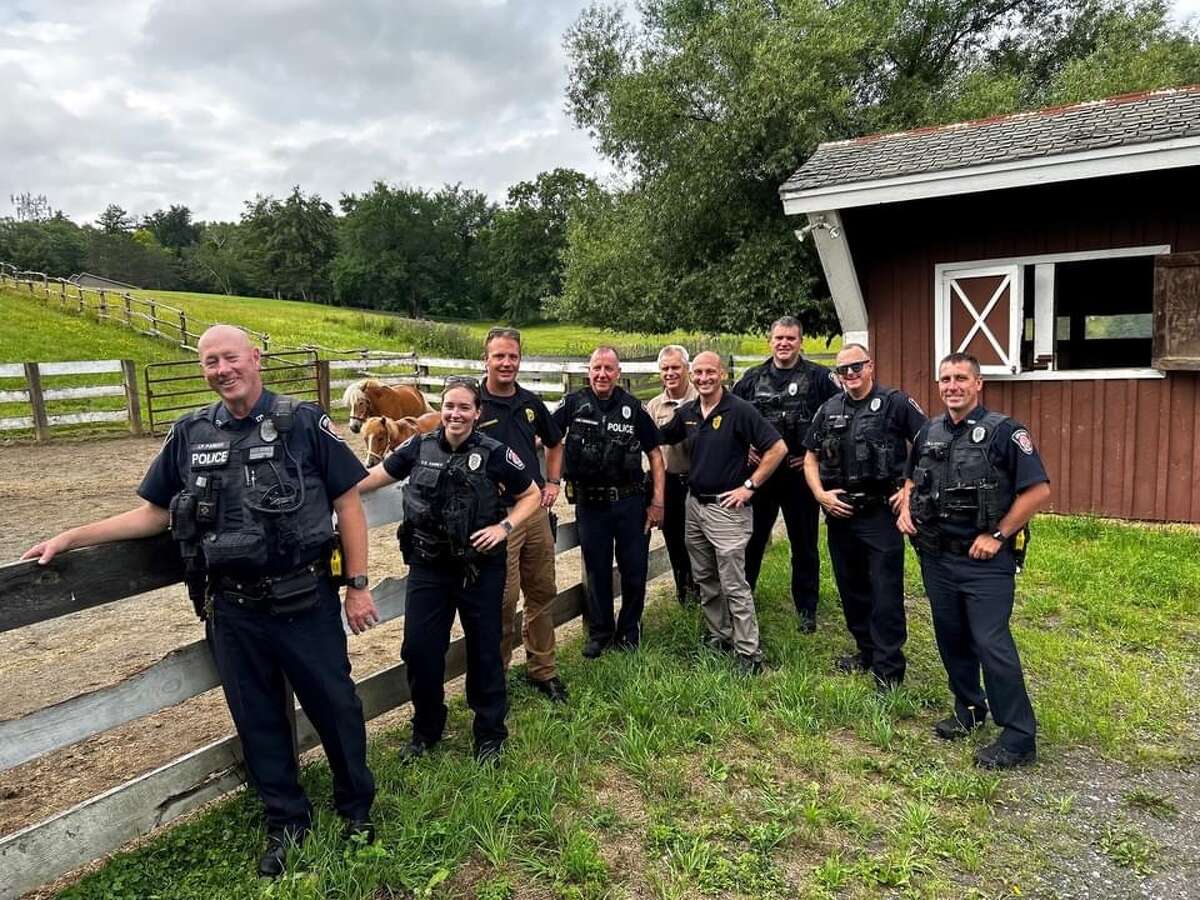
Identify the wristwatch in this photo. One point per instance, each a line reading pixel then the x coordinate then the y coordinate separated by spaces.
pixel 358 582
pixel 554 481
pixel 507 526
pixel 749 484
pixel 998 535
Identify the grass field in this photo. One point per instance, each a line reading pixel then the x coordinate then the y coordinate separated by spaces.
pixel 669 776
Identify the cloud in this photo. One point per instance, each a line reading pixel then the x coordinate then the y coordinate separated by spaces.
pixel 151 102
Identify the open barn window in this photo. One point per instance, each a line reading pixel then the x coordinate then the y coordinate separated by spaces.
pixel 1076 312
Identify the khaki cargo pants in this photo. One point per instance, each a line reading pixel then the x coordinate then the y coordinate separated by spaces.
pixel 717 539
pixel 531 571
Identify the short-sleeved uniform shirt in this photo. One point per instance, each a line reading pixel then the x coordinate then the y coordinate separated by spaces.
pixel 1011 450
pixel 644 428
pixel 903 418
pixel 822 383
pixel 720 442
pixel 515 422
pixel 662 410
pixel 506 469
pixel 313 442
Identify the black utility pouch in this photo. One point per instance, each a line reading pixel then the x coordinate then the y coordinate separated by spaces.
pixel 295 593
pixel 239 549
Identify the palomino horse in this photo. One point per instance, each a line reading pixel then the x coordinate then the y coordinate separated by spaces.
pixel 383 435
pixel 371 397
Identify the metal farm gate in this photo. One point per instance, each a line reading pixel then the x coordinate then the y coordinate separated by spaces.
pixel 173 388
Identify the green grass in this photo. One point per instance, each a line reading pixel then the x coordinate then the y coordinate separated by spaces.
pixel 669 775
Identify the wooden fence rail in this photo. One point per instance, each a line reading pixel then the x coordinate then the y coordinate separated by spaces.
pixel 37 394
pixel 92 576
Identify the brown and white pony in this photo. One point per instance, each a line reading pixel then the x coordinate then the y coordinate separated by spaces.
pixel 371 397
pixel 384 435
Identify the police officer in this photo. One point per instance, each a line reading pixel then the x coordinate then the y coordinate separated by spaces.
pixel 247 487
pixel 974 482
pixel 719 430
pixel 787 389
pixel 857 448
pixel 607 433
pixel 453 540
pixel 677 390
pixel 517 418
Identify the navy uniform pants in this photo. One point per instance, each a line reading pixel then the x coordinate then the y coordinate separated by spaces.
pixel 867 553
pixel 254 652
pixel 674 521
pixel 601 527
pixel 787 490
pixel 435 593
pixel 972 601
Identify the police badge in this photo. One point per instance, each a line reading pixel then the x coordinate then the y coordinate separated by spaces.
pixel 473 461
pixel 792 388
pixel 978 434
pixel 529 415
pixel 716 423
pixel 267 431
pixel 626 411
pixel 875 404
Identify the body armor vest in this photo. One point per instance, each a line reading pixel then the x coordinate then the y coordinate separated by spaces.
pixel 856 451
pixel 247 501
pixel 602 448
pixel 448 498
pixel 956 482
pixel 787 409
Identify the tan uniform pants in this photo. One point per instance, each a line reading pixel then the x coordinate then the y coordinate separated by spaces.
pixel 717 539
pixel 530 570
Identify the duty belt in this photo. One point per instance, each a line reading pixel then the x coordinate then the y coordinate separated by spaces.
pixel 951 545
pixel 286 594
pixel 590 493
pixel 864 500
pixel 706 499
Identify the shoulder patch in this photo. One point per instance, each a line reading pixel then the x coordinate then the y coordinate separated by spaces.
pixel 513 459
pixel 915 405
pixel 1021 438
pixel 327 426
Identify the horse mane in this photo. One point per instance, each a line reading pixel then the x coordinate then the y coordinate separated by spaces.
pixel 356 391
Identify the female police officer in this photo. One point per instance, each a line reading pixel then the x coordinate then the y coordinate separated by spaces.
pixel 453 541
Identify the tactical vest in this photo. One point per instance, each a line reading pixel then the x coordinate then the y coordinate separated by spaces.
pixel 787 409
pixel 856 450
pixel 602 448
pixel 448 498
pixel 956 482
pixel 247 500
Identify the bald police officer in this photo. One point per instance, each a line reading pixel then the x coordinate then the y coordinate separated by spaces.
pixel 857 448
pixel 786 390
pixel 607 434
pixel 247 486
pixel 719 430
pixel 974 481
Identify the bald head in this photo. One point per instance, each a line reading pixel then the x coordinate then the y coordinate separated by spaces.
pixel 224 334
pixel 709 358
pixel 231 367
pixel 707 375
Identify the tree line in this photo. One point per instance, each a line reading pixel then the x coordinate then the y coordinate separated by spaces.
pixel 705 107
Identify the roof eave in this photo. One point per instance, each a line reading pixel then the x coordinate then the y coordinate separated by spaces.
pixel 1122 160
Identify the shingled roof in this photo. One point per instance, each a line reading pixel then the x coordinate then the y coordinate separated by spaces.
pixel 1131 119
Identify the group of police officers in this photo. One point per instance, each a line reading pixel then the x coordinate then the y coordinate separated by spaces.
pixel 247 487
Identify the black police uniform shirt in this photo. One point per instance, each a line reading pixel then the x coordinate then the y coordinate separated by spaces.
pixel 515 421
pixel 903 417
pixel 313 441
pixel 1011 450
pixel 822 383
pixel 644 428
pixel 718 444
pixel 505 469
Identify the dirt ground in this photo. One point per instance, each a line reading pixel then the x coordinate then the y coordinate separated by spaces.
pixel 46 489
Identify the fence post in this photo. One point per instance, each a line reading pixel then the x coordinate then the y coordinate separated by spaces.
pixel 132 402
pixel 566 382
pixel 128 301
pixel 154 317
pixel 183 332
pixel 323 384
pixel 41 422
pixel 82 300
pixel 102 306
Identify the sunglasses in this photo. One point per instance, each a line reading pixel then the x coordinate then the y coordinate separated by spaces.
pixel 848 368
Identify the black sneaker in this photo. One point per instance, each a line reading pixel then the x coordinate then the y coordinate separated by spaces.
pixel 952 728
pixel 625 646
pixel 273 861
pixel 716 643
pixel 808 624
pixel 552 688
pixel 359 831
pixel 415 749
pixel 997 756
pixel 593 649
pixel 488 753
pixel 850 663
pixel 749 665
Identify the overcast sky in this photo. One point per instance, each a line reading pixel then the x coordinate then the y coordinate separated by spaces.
pixel 145 103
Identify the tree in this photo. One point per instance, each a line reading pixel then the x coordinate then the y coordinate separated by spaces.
pixel 56 246
pixel 291 244
pixel 709 106
pixel 137 261
pixel 114 220
pixel 173 228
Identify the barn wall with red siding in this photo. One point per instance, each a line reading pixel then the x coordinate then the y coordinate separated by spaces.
pixel 1127 448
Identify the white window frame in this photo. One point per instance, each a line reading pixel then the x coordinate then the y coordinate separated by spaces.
pixel 941 310
pixel 1008 346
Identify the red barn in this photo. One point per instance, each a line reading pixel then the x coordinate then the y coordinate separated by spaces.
pixel 1062 248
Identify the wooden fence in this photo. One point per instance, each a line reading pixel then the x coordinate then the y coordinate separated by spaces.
pixel 37 389
pixel 146 316
pixel 81 579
